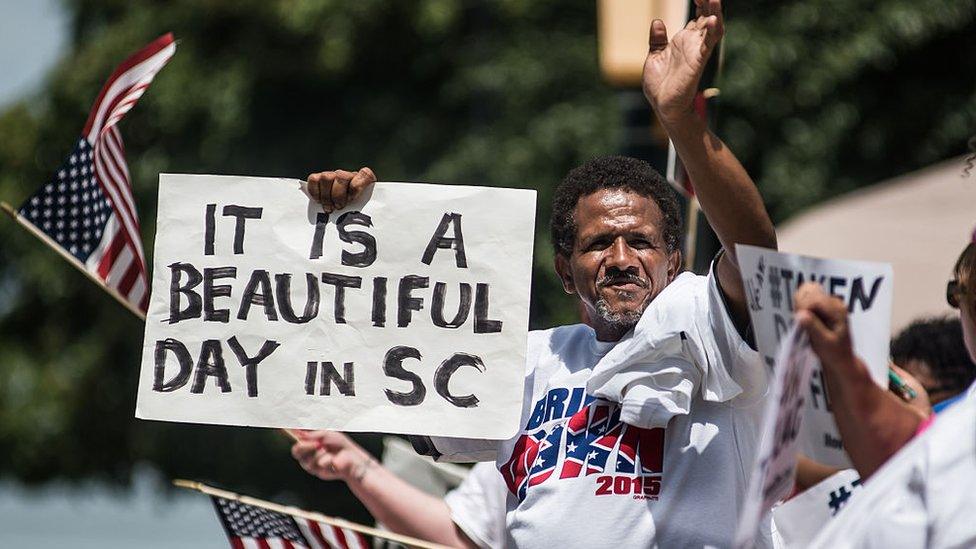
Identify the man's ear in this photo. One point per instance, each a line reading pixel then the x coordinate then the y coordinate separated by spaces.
pixel 565 276
pixel 675 263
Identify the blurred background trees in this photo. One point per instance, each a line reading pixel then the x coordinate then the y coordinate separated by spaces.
pixel 819 97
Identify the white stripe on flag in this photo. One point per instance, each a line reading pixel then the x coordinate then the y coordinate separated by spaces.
pixel 353 540
pixel 111 228
pixel 119 267
pixel 309 534
pixel 127 80
pixel 250 543
pixel 110 184
pixel 138 290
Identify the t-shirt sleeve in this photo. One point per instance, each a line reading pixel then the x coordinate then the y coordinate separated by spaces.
pixel 735 350
pixel 478 506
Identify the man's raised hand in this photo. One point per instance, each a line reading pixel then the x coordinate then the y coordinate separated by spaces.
pixel 673 69
pixel 336 189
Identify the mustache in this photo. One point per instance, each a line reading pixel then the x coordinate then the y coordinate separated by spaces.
pixel 622 278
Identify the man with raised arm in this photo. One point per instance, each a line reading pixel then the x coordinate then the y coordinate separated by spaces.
pixel 638 427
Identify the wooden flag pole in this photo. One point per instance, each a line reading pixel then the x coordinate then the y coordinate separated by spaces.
pixel 308 515
pixel 29 227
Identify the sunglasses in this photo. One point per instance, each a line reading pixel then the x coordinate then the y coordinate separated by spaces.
pixel 953 292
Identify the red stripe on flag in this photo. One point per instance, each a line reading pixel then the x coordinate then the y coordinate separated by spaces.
pixel 236 543
pixel 112 252
pixel 130 226
pixel 120 176
pixel 340 536
pixel 317 534
pixel 144 302
pixel 263 543
pixel 150 50
pixel 129 278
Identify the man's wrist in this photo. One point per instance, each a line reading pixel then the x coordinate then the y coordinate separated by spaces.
pixel 677 121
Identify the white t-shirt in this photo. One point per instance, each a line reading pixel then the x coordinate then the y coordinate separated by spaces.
pixel 576 475
pixel 924 496
pixel 479 504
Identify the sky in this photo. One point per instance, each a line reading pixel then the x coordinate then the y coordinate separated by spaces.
pixel 33 35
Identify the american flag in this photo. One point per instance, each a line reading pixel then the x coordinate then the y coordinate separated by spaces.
pixel 87 207
pixel 249 526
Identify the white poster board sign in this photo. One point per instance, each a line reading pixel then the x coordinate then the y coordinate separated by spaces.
pixel 406 312
pixel 771 278
pixel 805 515
pixel 773 472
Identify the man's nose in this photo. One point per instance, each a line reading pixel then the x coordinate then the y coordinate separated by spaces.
pixel 622 256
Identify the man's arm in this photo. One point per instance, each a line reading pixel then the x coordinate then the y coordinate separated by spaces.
pixel 728 197
pixel 872 422
pixel 401 507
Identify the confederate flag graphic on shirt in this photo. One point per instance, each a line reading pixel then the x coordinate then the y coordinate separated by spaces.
pixel 589 439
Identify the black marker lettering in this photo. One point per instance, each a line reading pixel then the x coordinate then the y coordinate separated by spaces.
pixel 441 241
pixel 442 377
pixel 437 306
pixel 283 292
pixel 209 229
pixel 321 220
pixel 250 364
pixel 366 257
pixel 346 383
pixel 341 282
pixel 210 364
pixel 159 370
pixel 393 367
pixel 863 300
pixel 252 295
pixel 405 301
pixel 481 323
pixel 379 301
pixel 311 370
pixel 210 291
pixel 176 287
pixel 242 213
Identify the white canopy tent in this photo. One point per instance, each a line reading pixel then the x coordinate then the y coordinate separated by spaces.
pixel 918 222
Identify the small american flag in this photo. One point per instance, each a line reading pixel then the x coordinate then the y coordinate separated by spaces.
pixel 87 207
pixel 249 526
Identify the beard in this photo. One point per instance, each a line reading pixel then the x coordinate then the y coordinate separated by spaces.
pixel 620 320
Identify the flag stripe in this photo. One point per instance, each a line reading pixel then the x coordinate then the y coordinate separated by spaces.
pixel 151 58
pixel 108 259
pixel 119 266
pixel 116 163
pixel 129 278
pixel 138 290
pixel 312 534
pixel 130 227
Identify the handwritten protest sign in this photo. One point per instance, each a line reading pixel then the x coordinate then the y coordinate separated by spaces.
pixel 775 466
pixel 800 519
pixel 407 312
pixel 771 278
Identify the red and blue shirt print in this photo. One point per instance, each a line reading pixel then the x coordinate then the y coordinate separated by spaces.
pixel 571 434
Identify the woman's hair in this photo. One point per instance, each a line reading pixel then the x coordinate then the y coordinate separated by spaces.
pixel 965 269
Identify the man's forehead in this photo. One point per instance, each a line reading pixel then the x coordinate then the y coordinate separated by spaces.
pixel 613 207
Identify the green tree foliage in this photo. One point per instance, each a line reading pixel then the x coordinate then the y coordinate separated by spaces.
pixel 818 97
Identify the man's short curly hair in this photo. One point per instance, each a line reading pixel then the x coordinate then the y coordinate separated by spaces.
pixel 937 342
pixel 611 172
